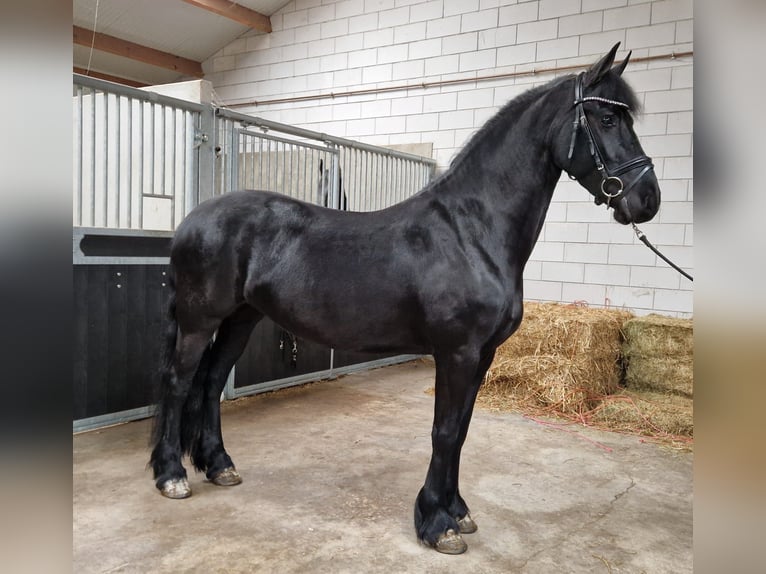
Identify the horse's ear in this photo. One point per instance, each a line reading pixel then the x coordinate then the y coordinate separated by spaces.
pixel 620 68
pixel 598 70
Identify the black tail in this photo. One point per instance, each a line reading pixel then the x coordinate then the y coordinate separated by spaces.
pixel 162 394
pixel 191 416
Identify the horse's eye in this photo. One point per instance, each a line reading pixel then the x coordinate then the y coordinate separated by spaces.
pixel 609 121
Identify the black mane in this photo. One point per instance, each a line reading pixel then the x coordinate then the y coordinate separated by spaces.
pixel 611 86
pixel 495 127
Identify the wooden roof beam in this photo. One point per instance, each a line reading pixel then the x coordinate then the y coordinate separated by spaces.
pixel 234 11
pixel 126 49
pixel 109 77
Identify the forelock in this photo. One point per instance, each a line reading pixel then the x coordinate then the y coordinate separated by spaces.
pixel 615 87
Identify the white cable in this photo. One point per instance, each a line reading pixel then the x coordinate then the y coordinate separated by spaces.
pixel 93 38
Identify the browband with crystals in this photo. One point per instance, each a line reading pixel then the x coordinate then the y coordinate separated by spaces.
pixel 602 100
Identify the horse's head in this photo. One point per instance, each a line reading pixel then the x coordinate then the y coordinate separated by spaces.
pixel 597 146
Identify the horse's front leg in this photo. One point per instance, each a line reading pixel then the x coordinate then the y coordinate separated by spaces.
pixel 458 508
pixel 440 512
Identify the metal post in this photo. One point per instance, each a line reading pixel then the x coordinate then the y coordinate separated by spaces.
pixel 205 155
pixel 335 185
pixel 233 156
pixel 78 151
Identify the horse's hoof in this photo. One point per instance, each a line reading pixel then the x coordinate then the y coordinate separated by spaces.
pixel 467 525
pixel 176 488
pixel 451 543
pixel 227 477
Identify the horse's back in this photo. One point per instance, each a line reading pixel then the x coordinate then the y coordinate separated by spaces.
pixel 239 219
pixel 303 265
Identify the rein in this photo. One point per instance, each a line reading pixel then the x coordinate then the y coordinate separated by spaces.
pixel 611 178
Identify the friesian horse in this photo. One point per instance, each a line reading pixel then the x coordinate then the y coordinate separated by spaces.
pixel 325 190
pixel 439 273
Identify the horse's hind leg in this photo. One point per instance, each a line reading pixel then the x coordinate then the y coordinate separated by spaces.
pixel 173 410
pixel 207 452
pixel 441 515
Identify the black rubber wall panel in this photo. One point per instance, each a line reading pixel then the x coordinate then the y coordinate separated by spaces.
pixel 264 361
pixel 119 329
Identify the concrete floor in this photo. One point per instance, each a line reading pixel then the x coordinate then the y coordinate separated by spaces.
pixel 331 472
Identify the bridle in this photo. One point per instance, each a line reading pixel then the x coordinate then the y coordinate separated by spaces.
pixel 612 186
pixel 611 178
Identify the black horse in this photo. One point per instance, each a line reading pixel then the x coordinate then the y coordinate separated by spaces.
pixel 439 273
pixel 325 191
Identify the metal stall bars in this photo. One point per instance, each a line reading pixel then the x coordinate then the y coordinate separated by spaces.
pixel 136 156
pixel 262 154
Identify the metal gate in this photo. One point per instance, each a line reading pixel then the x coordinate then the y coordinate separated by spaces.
pixel 270 162
pixel 136 157
pixel 142 161
pixel 254 157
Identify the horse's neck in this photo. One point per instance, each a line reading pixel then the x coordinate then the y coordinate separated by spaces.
pixel 509 171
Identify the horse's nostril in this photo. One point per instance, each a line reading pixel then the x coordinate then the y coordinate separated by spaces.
pixel 650 201
pixel 646 200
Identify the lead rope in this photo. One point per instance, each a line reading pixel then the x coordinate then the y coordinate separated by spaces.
pixel 645 240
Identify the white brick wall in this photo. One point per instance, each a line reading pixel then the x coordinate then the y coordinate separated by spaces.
pixel 322 46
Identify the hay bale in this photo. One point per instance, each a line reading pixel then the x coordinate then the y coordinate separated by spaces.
pixel 659 354
pixel 563 357
pixel 647 413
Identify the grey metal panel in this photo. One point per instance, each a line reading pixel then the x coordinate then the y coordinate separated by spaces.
pixel 80 258
pixel 91 423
